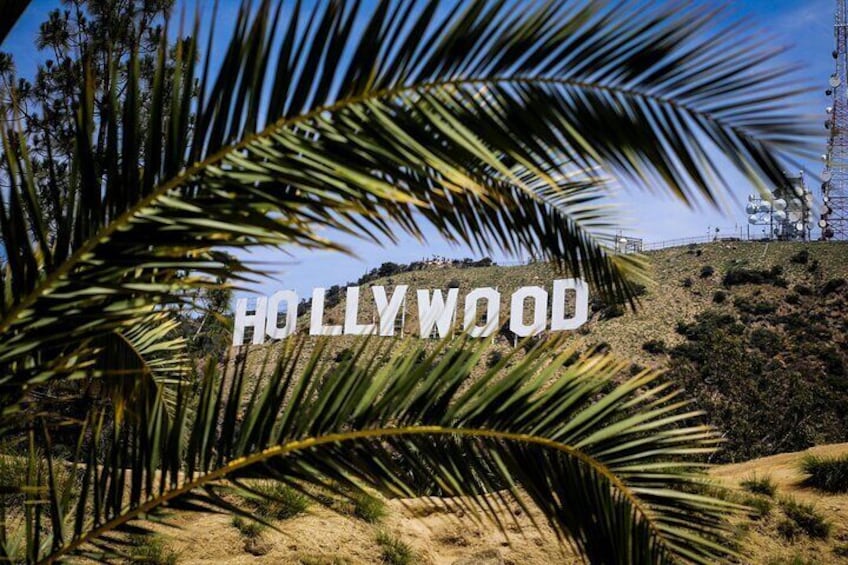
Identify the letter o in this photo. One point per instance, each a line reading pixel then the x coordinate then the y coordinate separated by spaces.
pixel 493 311
pixel 540 311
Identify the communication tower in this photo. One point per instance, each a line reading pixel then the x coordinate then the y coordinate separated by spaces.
pixel 834 217
pixel 785 213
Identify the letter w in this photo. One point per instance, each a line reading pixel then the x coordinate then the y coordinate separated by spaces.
pixel 436 312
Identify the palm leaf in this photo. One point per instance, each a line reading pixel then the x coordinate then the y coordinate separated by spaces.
pixel 484 122
pixel 11 12
pixel 615 477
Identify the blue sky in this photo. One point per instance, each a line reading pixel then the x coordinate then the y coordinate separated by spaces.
pixel 805 27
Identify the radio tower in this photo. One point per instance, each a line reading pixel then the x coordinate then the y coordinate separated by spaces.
pixel 834 218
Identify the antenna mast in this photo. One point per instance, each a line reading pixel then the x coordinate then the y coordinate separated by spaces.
pixel 834 218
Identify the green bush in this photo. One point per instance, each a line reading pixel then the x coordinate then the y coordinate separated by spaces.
pixel 766 340
pixel 829 474
pixel 759 485
pixel 806 517
pixel 788 529
pixel 250 529
pixel 832 286
pixel 803 290
pixel 707 271
pixel 368 508
pixel 654 346
pixel 719 296
pixel 393 550
pixel 760 507
pixel 278 501
pixel 344 355
pixel 494 358
pixel 756 307
pixel 150 550
pixel 801 257
pixel 739 275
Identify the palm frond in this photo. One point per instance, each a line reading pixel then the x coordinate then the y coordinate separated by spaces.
pixel 11 12
pixel 625 458
pixel 484 122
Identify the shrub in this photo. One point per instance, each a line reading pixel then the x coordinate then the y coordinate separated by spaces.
pixel 368 508
pixel 766 340
pixel 793 299
pixel 759 485
pixel 801 257
pixel 759 507
pixel 393 550
pixel 760 307
pixel 453 283
pixel 719 296
pixel 494 358
pixel 788 529
pixel 687 282
pixel 345 354
pixel 737 276
pixel 806 517
pixel 803 290
pixel 150 550
pixel 612 311
pixel 707 271
pixel 832 286
pixel 654 346
pixel 279 501
pixel 250 529
pixel 829 474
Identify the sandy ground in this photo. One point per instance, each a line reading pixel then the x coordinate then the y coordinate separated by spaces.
pixel 446 536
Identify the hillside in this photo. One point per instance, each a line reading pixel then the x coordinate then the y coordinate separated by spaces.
pixel 755 332
pixel 318 536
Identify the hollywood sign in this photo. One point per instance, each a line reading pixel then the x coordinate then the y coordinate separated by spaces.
pixel 276 316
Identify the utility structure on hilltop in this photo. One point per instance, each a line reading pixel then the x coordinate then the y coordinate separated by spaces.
pixel 834 217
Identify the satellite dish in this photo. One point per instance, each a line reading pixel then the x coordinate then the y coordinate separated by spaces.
pixel 794 215
pixel 764 207
pixel 822 224
pixel 753 219
pixel 799 191
pixel 828 92
pixel 752 197
pixel 751 208
pixel 829 109
pixel 826 175
pixel 808 198
pixel 779 215
pixel 834 81
pixel 779 204
pixel 799 226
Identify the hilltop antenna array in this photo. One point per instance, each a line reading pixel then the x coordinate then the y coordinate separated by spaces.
pixel 834 217
pixel 785 212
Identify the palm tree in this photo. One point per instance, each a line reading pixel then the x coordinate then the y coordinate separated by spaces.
pixel 497 128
